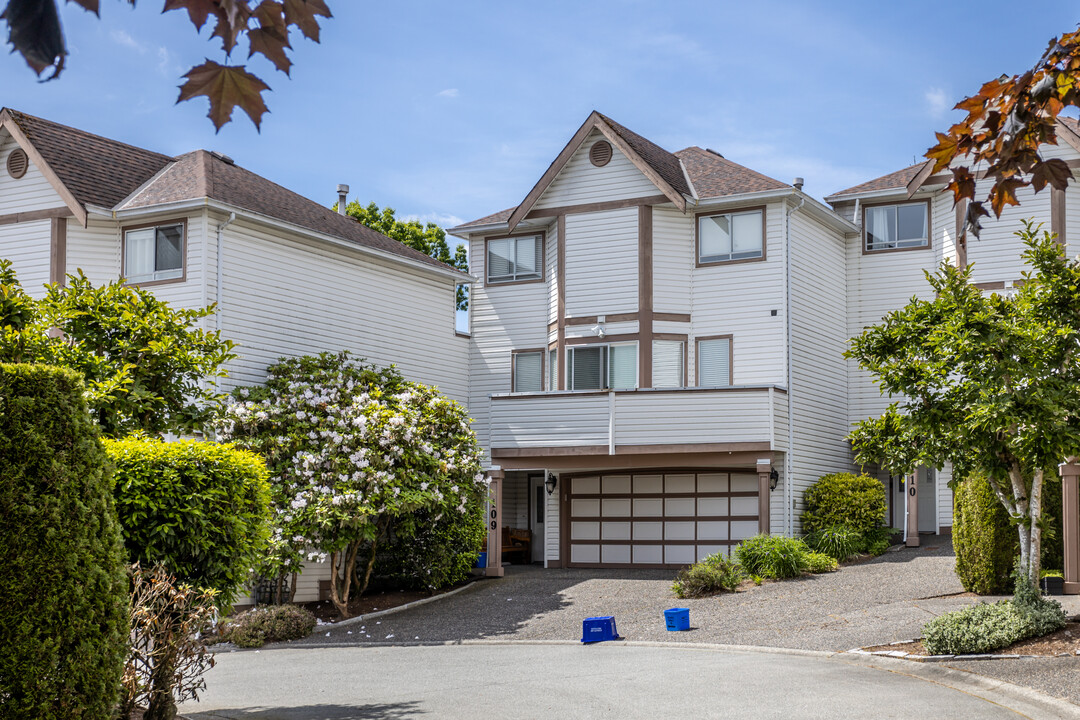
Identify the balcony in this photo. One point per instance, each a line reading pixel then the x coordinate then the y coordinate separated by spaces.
pixel 744 418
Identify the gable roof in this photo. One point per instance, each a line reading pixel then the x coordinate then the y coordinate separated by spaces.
pixel 664 163
pixel 893 181
pixel 91 170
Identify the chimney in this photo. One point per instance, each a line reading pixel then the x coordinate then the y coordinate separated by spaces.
pixel 342 191
pixel 798 184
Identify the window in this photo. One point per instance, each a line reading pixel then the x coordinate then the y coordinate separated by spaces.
pixel 154 253
pixel 553 370
pixel 600 367
pixel 515 258
pixel 528 375
pixel 714 362
pixel 896 227
pixel 731 236
pixel 667 364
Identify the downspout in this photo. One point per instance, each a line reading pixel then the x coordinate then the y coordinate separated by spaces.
pixel 220 267
pixel 789 490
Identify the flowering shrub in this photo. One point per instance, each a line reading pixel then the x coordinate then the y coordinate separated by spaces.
pixel 352 448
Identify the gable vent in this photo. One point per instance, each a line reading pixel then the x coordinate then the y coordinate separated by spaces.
pixel 17 163
pixel 600 153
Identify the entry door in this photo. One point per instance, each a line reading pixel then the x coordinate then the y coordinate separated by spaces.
pixel 927 500
pixel 537 505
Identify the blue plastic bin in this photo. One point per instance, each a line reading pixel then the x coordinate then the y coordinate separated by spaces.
pixel 598 629
pixel 677 618
pixel 481 562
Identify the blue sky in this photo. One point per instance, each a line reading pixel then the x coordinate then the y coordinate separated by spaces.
pixel 452 110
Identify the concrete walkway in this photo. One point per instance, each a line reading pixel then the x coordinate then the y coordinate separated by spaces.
pixel 607 680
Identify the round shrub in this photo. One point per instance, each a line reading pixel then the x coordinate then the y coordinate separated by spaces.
pixel 63 591
pixel 986 543
pixel 838 542
pixel 820 563
pixel 714 574
pixel 275 623
pixel 200 509
pixel 429 551
pixel 773 556
pixel 854 501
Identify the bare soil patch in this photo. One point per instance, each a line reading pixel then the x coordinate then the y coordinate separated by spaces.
pixel 1063 642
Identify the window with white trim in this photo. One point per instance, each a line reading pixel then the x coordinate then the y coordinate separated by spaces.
pixel 726 237
pixel 515 258
pixel 896 227
pixel 528 371
pixel 602 367
pixel 154 253
pixel 714 362
pixel 667 363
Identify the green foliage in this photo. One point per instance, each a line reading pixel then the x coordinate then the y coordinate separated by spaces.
pixel 820 563
pixel 716 573
pixel 200 509
pixel 843 499
pixel 63 592
pixel 984 627
pixel 1053 539
pixel 429 239
pixel 773 556
pixel 1043 614
pixel 144 364
pixel 423 553
pixel 355 450
pixel 836 541
pixel 986 543
pixel 275 623
pixel 876 540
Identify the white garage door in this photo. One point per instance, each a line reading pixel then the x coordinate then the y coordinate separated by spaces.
pixel 658 518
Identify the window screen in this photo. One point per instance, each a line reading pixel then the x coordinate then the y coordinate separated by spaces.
pixel 889 227
pixel 516 258
pixel 528 372
pixel 714 362
pixel 622 366
pixel 667 370
pixel 154 253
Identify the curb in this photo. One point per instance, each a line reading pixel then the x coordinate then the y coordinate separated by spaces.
pixel 901 655
pixel 399 608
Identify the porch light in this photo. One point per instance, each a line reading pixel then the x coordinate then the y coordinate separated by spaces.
pixel 774 478
pixel 550 482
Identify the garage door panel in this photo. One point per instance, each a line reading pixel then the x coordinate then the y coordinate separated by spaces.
pixel 648 555
pixel 679 507
pixel 586 485
pixel 584 553
pixel 744 506
pixel 704 551
pixel 712 507
pixel 681 483
pixel 712 483
pixel 615 531
pixel 585 508
pixel 743 482
pixel 678 554
pixel 584 530
pixel 648 531
pixel 615 554
pixel 678 531
pixel 713 530
pixel 615 485
pixel 615 507
pixel 742 529
pixel 648 507
pixel 649 484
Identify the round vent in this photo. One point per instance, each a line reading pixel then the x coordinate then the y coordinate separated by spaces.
pixel 17 163
pixel 600 153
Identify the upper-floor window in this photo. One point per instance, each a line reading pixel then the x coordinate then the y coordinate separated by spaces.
pixel 714 361
pixel 553 369
pixel 896 227
pixel 154 253
pixel 528 371
pixel 729 237
pixel 512 259
pixel 668 363
pixel 602 367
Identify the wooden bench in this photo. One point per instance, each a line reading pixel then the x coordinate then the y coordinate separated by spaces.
pixel 517 543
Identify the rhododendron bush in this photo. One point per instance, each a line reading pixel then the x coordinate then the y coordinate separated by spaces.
pixel 354 451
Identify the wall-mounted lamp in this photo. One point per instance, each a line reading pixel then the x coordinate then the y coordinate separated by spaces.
pixel 550 482
pixel 774 478
pixel 599 330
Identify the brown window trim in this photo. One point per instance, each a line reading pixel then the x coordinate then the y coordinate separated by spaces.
pixel 731 211
pixel 731 357
pixel 160 223
pixel 929 226
pixel 543 258
pixel 543 361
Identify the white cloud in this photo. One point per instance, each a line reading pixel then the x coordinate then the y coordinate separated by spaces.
pixel 937 102
pixel 120 37
pixel 443 220
pixel 447 93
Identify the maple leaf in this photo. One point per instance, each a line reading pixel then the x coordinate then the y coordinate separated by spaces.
pixel 943 153
pixel 271 38
pixel 90 5
pixel 962 185
pixel 198 10
pixel 301 13
pixel 1055 172
pixel 226 86
pixel 34 30
pixel 972 218
pixel 1004 193
pixel 232 21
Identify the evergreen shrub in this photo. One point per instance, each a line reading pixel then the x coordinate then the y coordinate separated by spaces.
pixel 773 556
pixel 986 543
pixel 716 573
pixel 844 499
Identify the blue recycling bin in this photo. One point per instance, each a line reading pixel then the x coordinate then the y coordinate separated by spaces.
pixel 481 560
pixel 677 618
pixel 598 629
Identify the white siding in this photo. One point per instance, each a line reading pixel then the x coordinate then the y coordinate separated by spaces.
pixel 996 254
pixel 94 249
pixel 673 261
pixel 26 245
pixel 582 182
pixel 283 297
pixel 30 192
pixel 551 526
pixel 188 294
pixel 602 263
pixel 1072 219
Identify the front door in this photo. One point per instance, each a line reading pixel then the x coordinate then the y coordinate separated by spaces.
pixel 537 507
pixel 927 499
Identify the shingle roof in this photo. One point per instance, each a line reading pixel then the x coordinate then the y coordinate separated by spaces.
pixel 716 176
pixel 96 170
pixel 664 163
pixel 892 181
pixel 105 172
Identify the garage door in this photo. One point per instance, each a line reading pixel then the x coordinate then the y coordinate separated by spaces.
pixel 658 518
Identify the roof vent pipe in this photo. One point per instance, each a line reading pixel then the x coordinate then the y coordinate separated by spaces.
pixel 342 191
pixel 798 184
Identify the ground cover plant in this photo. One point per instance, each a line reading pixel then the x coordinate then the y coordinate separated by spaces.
pixel 716 573
pixel 272 623
pixel 836 541
pixel 357 456
pixel 773 556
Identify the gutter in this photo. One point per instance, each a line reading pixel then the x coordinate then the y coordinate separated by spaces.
pixel 789 490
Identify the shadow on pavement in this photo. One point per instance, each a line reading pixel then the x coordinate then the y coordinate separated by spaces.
pixel 374 711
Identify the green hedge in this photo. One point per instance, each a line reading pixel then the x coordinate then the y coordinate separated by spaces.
pixel 429 551
pixel 843 499
pixel 198 508
pixel 986 543
pixel 63 591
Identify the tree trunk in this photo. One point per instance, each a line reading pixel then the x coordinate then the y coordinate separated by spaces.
pixel 1035 511
pixel 341 574
pixel 292 587
pixel 161 705
pixel 370 566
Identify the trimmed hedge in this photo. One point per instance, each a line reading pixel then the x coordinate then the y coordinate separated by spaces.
pixel 986 543
pixel 63 590
pixel 201 509
pixel 853 501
